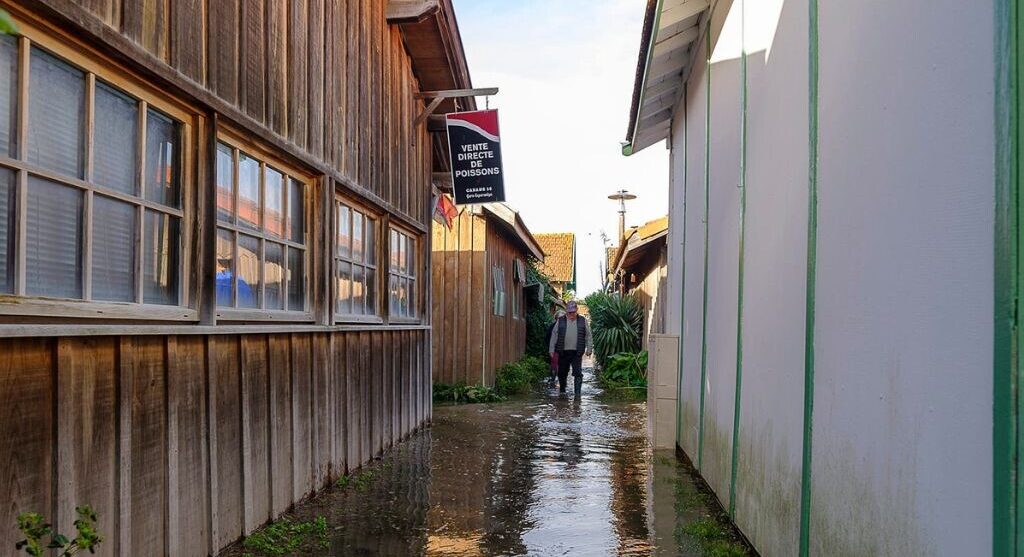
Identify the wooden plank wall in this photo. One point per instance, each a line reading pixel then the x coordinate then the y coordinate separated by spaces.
pixel 330 76
pixel 185 443
pixel 470 342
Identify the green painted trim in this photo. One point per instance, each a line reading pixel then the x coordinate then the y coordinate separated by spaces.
pixel 707 218
pixel 740 266
pixel 1006 442
pixel 628 149
pixel 682 284
pixel 812 266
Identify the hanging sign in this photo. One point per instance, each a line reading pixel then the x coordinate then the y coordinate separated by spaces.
pixel 475 149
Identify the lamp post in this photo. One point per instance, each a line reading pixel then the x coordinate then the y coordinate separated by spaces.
pixel 622 196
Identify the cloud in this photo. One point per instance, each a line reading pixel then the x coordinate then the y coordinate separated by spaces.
pixel 566 70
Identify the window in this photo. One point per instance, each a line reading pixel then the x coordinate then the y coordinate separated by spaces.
pixel 518 278
pixel 355 262
pixel 402 275
pixel 95 171
pixel 498 290
pixel 261 234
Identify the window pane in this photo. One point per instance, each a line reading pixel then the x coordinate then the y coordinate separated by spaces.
pixel 402 253
pixel 53 255
pixel 225 267
pixel 114 140
pixel 161 159
pixel 410 256
pixel 248 191
pixel 403 297
pixel 345 288
pixel 274 188
pixel 113 251
pixel 371 292
pixel 412 298
pixel 8 94
pixel 296 212
pixel 296 280
pixel 357 236
pixel 344 232
pixel 394 252
pixel 160 267
pixel 273 274
pixel 56 114
pixel 248 271
pixel 6 230
pixel 393 295
pixel 358 290
pixel 225 187
pixel 371 241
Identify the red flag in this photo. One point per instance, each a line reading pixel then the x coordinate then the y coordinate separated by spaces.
pixel 445 211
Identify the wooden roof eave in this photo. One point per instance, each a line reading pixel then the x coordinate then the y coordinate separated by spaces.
pixel 513 223
pixel 431 35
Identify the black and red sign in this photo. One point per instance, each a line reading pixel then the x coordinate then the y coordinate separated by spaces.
pixel 475 147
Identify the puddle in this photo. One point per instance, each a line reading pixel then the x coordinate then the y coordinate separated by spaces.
pixel 539 475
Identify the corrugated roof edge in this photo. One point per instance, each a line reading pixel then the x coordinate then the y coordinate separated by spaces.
pixel 642 64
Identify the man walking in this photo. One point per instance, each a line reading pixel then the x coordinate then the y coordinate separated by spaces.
pixel 569 342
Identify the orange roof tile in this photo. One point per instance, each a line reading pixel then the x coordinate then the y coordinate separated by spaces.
pixel 559 255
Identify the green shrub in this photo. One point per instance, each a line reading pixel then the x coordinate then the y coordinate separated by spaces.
pixel 616 322
pixel 287 536
pixel 465 394
pixel 625 369
pixel 538 314
pixel 37 530
pixel 520 376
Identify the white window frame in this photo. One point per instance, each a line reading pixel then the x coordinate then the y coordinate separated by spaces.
pixel 96 68
pixel 266 161
pixel 338 260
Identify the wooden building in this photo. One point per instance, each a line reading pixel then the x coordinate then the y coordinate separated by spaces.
pixel 478 306
pixel 214 259
pixel 559 263
pixel 640 266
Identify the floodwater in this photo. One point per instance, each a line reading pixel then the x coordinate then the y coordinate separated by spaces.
pixel 539 475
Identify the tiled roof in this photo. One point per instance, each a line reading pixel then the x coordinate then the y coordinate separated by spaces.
pixel 559 255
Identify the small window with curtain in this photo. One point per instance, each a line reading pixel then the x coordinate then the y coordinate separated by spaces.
pixel 95 171
pixel 402 285
pixel 355 263
pixel 498 290
pixel 261 251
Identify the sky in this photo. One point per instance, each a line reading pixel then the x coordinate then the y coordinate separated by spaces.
pixel 565 70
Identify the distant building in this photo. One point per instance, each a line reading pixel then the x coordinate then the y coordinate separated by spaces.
pixel 639 266
pixel 478 305
pixel 559 260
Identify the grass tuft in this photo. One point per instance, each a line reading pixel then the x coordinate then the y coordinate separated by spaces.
pixel 286 536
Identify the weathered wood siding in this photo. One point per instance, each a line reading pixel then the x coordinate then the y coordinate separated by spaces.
pixel 330 78
pixel 184 443
pixel 470 342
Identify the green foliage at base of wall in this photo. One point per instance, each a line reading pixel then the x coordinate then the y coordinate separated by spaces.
pixel 538 314
pixel 616 322
pixel 37 531
pixel 461 393
pixel 519 377
pixel 287 536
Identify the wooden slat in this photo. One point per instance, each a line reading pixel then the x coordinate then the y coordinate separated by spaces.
pixel 298 64
pixel 148 448
pixel 302 438
pixel 146 22
pixel 351 401
pixel 321 411
pixel 109 11
pixel 315 81
pixel 277 69
pixel 226 439
pixel 377 392
pixel 186 396
pixel 255 431
pixel 188 38
pixel 339 401
pixel 281 447
pixel 253 59
pixel 223 49
pixel 26 432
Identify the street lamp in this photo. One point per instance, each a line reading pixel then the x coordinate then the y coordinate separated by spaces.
pixel 622 196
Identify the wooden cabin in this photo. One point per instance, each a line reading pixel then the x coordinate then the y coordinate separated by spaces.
pixel 559 263
pixel 214 255
pixel 639 266
pixel 479 305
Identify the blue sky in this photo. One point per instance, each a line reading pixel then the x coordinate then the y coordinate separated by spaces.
pixel 565 69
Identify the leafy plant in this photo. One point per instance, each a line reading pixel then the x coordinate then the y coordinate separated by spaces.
pixel 7 25
pixel 625 369
pixel 520 376
pixel 616 322
pixel 288 536
pixel 465 394
pixel 37 530
pixel 538 314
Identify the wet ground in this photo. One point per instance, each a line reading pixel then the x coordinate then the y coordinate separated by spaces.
pixel 539 475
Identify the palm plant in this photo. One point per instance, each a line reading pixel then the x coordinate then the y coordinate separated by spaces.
pixel 616 322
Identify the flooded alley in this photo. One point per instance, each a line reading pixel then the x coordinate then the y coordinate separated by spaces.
pixel 536 475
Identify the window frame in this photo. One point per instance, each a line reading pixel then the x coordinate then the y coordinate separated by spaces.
pixel 417 312
pixel 498 291
pixel 97 68
pixel 267 159
pixel 380 254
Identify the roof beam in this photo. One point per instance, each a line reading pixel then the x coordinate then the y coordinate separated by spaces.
pixel 676 42
pixel 668 66
pixel 659 89
pixel 680 13
pixel 411 11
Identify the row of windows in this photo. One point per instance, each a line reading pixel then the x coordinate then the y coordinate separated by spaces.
pixel 93 207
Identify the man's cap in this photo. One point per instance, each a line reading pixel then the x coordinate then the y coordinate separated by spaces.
pixel 570 307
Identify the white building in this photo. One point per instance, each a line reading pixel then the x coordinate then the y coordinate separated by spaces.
pixel 842 266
